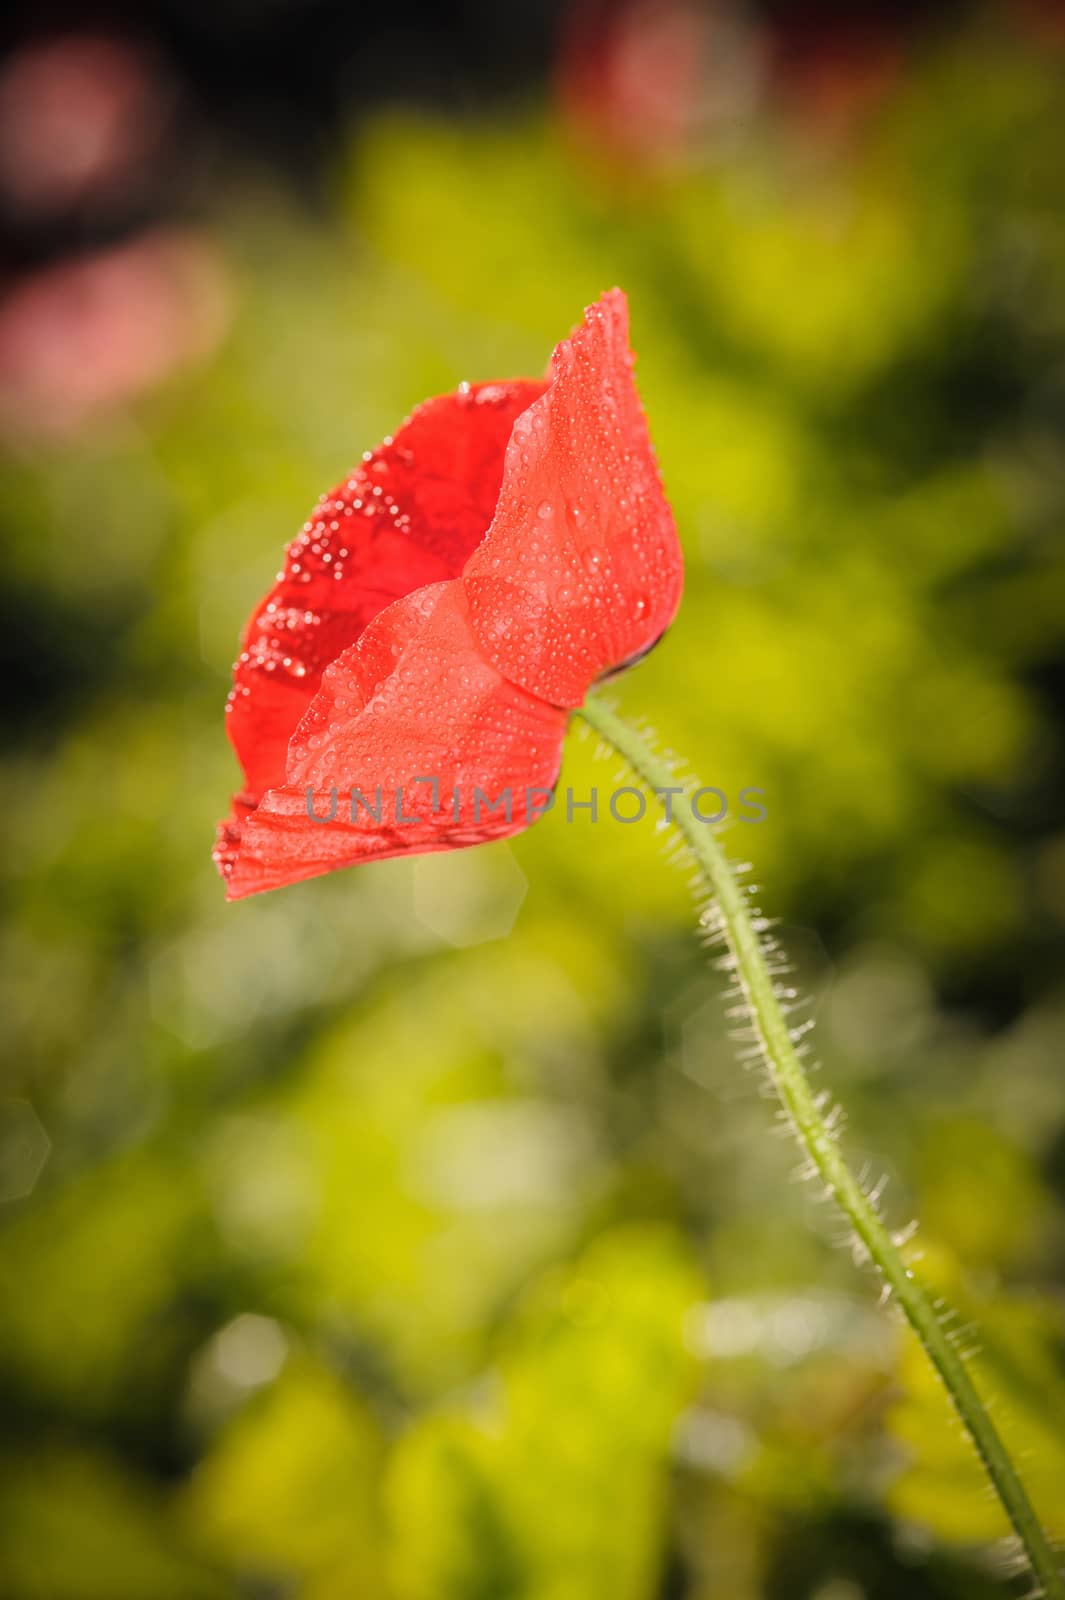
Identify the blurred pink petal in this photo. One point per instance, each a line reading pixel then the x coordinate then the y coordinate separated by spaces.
pixel 80 339
pixel 632 75
pixel 79 117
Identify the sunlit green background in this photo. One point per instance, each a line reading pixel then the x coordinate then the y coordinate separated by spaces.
pixel 413 1234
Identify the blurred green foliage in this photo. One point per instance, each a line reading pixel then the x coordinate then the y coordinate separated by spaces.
pixel 414 1233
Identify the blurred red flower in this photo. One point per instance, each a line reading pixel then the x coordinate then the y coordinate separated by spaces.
pixel 440 614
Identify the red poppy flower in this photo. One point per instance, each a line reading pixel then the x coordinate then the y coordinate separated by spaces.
pixel 405 685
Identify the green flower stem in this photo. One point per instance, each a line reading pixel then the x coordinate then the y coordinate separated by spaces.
pixel 733 920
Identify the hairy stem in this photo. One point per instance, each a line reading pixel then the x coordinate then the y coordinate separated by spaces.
pixel 730 915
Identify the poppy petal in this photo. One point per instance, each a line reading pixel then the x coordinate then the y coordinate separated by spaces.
pixel 409 515
pixel 581 570
pixel 441 750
